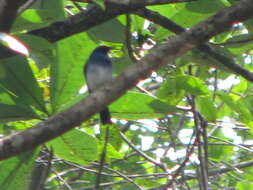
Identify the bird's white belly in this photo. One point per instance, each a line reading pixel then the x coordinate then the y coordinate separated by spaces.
pixel 98 76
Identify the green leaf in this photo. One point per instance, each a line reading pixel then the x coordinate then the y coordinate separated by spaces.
pixel 111 152
pixel 197 56
pixel 205 6
pixel 239 44
pixel 41 14
pixel 17 77
pixel 139 106
pixel 170 92
pixel 114 135
pixel 241 87
pixel 244 185
pixel 67 71
pixel 15 112
pixel 17 171
pixel 100 3
pixel 206 107
pixel 218 153
pixel 34 19
pixel 249 25
pixel 175 87
pixel 236 105
pixel 191 14
pixel 75 146
pixel 40 50
pixel 192 85
pixel 57 6
pixel 104 32
pixel 147 183
pixel 11 110
pixel 185 14
pixel 137 22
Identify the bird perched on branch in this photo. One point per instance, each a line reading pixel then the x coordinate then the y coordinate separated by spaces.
pixel 97 72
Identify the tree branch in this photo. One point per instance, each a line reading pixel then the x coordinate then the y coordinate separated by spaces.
pixel 8 13
pixel 85 20
pixel 207 48
pixel 138 2
pixel 57 124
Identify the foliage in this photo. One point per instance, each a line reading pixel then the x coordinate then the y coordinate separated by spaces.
pixel 193 98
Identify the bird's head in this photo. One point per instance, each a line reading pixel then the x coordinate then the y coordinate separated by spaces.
pixel 102 49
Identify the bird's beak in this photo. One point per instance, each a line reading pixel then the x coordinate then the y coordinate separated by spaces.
pixel 110 48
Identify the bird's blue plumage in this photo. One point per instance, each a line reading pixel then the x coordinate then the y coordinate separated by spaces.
pixel 98 72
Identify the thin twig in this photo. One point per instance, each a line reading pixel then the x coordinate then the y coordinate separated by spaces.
pixel 182 165
pixel 124 177
pixel 141 153
pixel 215 84
pixel 203 126
pixel 228 142
pixel 61 179
pixel 203 177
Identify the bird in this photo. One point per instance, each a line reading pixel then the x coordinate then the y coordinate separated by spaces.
pixel 97 73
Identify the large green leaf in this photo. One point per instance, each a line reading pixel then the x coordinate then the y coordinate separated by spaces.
pixel 237 106
pixel 15 172
pixel 175 87
pixel 244 185
pixel 17 78
pixel 67 71
pixel 207 108
pixel 40 50
pixel 147 183
pixel 57 6
pixel 192 85
pixel 139 106
pixel 100 3
pixel 75 146
pixel 186 14
pixel 111 151
pixel 15 112
pixel 240 44
pixel 205 6
pixel 104 32
pixel 34 19
pixel 41 14
pixel 218 153
pixel 170 92
pixel 114 135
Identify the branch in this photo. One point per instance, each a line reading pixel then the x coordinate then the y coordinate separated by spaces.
pixel 85 20
pixel 58 124
pixel 78 23
pixel 8 13
pixel 207 48
pixel 138 2
pixel 141 153
pixel 221 171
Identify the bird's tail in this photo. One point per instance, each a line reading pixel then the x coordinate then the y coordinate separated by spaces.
pixel 105 116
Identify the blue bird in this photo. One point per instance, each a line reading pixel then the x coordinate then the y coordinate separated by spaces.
pixel 97 73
